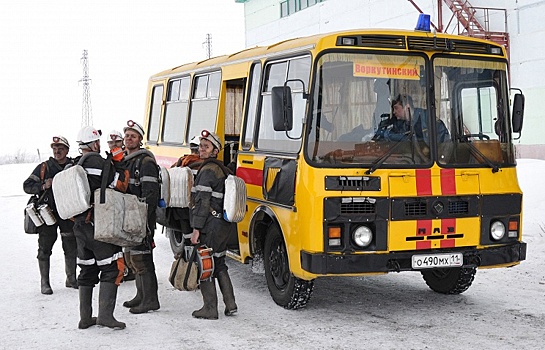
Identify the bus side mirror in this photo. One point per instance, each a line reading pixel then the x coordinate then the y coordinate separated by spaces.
pixel 282 108
pixel 518 113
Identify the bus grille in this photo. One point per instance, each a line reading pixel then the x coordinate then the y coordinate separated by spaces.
pixel 415 208
pixel 386 41
pixel 352 183
pixel 453 45
pixel 458 207
pixel 358 208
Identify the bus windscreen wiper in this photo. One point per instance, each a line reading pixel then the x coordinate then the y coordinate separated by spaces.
pixel 377 163
pixel 475 151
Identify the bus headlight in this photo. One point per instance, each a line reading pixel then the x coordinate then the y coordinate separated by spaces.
pixel 497 230
pixel 362 236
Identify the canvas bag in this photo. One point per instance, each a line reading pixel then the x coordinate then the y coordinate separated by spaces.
pixel 184 275
pixel 72 192
pixel 120 218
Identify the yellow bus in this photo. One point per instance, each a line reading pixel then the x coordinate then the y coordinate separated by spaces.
pixel 338 183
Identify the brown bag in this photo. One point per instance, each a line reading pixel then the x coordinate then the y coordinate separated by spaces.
pixel 184 275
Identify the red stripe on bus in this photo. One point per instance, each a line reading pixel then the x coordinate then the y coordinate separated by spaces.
pixel 423 182
pixel 448 243
pixel 165 161
pixel 251 176
pixel 423 227
pixel 423 245
pixel 448 226
pixel 448 182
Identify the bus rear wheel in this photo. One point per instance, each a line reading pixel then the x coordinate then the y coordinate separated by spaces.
pixel 286 290
pixel 176 241
pixel 449 281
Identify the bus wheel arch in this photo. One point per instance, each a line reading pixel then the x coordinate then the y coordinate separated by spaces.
pixel 288 291
pixel 262 218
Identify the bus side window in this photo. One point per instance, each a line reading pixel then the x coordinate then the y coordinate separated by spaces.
pixel 204 103
pixel 276 74
pixel 155 113
pixel 176 110
pixel 251 106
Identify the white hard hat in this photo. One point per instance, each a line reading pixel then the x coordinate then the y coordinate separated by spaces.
pixel 194 141
pixel 88 134
pixel 212 137
pixel 115 136
pixel 60 140
pixel 132 125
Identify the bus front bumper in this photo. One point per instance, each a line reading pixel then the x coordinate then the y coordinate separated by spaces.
pixel 333 264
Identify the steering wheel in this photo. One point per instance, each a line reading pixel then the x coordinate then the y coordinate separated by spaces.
pixel 481 136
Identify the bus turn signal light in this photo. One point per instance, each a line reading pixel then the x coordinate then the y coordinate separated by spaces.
pixel 334 235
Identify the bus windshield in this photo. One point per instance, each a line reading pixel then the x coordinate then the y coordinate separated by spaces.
pixel 471 99
pixel 373 110
pixel 355 119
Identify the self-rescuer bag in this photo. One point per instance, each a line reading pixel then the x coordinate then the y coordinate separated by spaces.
pixel 234 200
pixel 181 181
pixel 72 192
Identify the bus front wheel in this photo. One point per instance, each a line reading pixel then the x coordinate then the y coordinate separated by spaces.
pixel 286 290
pixel 449 281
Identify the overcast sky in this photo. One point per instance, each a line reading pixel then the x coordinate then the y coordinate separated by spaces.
pixel 42 43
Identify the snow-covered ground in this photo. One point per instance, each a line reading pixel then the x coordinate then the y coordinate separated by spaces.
pixel 503 309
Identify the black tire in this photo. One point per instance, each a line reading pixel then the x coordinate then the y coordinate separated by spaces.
pixel 286 290
pixel 176 241
pixel 449 281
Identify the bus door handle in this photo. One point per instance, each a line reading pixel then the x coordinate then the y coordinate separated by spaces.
pixel 466 174
pixel 404 175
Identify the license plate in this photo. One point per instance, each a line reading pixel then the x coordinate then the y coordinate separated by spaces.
pixel 437 260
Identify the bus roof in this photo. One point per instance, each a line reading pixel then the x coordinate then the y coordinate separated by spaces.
pixel 374 38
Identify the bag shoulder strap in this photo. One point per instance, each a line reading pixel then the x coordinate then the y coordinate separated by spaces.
pixel 105 175
pixel 43 168
pixel 192 260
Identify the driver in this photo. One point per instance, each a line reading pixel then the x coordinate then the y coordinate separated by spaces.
pixel 398 127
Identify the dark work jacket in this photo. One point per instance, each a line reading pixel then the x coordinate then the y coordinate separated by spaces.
pixel 33 184
pixel 207 198
pixel 93 163
pixel 144 181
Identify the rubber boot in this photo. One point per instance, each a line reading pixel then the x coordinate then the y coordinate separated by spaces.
pixel 86 318
pixel 226 288
pixel 70 269
pixel 210 309
pixel 138 297
pixel 150 300
pixel 106 305
pixel 44 276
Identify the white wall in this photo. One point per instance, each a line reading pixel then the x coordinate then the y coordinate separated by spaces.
pixel 525 25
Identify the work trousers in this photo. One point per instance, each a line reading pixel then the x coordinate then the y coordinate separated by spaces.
pixel 140 259
pixel 47 236
pixel 98 261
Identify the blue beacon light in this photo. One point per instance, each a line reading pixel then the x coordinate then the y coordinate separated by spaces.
pixel 423 23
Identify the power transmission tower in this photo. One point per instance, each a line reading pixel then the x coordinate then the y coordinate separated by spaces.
pixel 208 45
pixel 86 111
